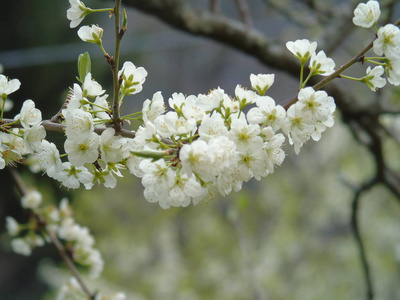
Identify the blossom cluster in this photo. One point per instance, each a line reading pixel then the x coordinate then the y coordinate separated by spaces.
pixel 48 219
pixel 204 146
pixel 386 45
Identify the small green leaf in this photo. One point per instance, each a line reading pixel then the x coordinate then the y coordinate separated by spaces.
pixel 155 155
pixel 84 66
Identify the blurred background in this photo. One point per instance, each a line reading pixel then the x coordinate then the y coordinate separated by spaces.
pixel 285 237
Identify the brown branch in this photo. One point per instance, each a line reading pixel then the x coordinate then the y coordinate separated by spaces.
pixel 57 127
pixel 221 29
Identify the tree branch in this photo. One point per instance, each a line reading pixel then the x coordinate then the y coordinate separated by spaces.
pixel 358 238
pixel 23 190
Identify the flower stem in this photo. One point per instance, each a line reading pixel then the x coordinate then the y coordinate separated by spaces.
pixel 351 78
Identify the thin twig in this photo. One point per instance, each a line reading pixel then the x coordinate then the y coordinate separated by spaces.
pixel 244 11
pixel 23 190
pixel 57 127
pixel 69 263
pixel 358 238
pixel 214 5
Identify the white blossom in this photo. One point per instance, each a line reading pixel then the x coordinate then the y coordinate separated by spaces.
pixel 296 127
pixel 76 13
pixel 212 126
pixel 388 42
pixel 181 192
pixel 91 87
pixel 132 78
pixel 158 178
pixel 34 136
pixel 31 200
pixel 21 246
pixel 321 65
pixel 29 115
pixel 245 136
pixel 113 148
pixel 12 226
pixel 367 14
pixel 267 113
pixel 79 124
pixel 91 34
pixel 171 124
pixel 48 158
pixel 245 97
pixel 100 107
pixel 275 153
pixel 315 106
pixel 153 108
pixel 373 78
pixel 176 101
pixel 81 151
pixel 8 86
pixel 197 157
pixel 261 82
pixel 393 72
pixel 71 176
pixel 302 49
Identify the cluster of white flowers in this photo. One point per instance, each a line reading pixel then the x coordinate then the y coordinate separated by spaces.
pixel 387 45
pixel 211 146
pixel 72 290
pixel 61 223
pixel 204 145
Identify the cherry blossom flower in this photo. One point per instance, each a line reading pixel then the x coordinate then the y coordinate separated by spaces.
pixel 158 178
pixel 245 97
pixel 296 127
pixel 71 176
pixel 302 49
pixel 79 124
pixel 113 148
pixel 31 200
pixel 388 42
pixel 48 158
pixel 8 86
pixel 12 226
pixel 91 34
pixel 212 127
pixel 367 14
pixel 29 115
pixel 153 108
pixel 373 78
pixel 261 82
pixel 76 13
pixel 321 65
pixel 91 87
pixel 81 151
pixel 21 246
pixel 392 69
pixel 267 113
pixel 132 78
pixel 33 137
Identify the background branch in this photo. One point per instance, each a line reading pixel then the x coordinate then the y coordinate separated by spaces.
pixel 23 190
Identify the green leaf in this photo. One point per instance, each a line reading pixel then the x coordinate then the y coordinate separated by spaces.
pixel 84 66
pixel 155 155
